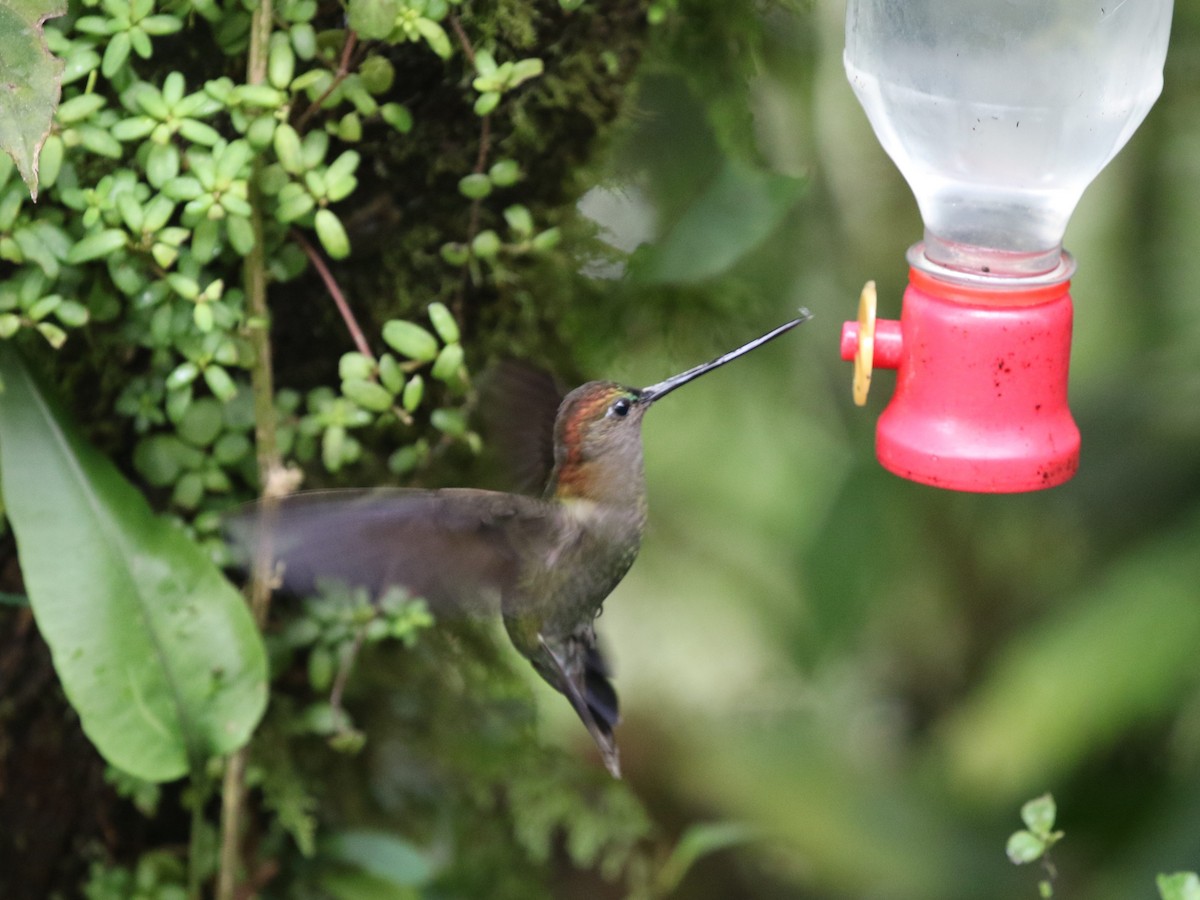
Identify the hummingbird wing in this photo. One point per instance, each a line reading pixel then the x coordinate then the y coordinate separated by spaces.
pixel 518 403
pixel 456 548
pixel 460 549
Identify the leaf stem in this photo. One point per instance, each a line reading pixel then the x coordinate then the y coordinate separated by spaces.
pixel 200 790
pixel 339 76
pixel 335 291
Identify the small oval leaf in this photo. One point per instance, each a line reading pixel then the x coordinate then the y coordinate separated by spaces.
pixel 411 340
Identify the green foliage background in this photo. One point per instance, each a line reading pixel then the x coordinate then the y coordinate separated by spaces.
pixel 858 679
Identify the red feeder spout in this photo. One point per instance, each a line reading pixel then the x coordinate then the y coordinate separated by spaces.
pixel 981 386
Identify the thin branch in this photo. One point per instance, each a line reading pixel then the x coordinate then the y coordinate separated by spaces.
pixel 335 291
pixel 468 47
pixel 343 70
pixel 339 300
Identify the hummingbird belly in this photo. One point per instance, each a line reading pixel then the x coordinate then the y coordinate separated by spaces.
pixel 562 588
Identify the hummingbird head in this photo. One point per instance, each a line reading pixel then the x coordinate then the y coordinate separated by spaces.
pixel 598 431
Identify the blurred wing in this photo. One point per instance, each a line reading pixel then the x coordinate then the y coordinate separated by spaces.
pixel 518 404
pixel 456 548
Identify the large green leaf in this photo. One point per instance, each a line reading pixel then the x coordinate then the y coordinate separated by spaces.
pixel 739 208
pixel 154 647
pixel 365 864
pixel 1123 655
pixel 31 78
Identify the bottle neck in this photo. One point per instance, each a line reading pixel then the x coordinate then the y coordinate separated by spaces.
pixel 989 274
pixel 974 259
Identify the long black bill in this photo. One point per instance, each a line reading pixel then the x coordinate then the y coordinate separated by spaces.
pixel 660 390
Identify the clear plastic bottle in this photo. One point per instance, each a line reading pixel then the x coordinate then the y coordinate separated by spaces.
pixel 999 113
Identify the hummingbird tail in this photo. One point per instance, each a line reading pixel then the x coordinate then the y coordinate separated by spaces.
pixel 592 696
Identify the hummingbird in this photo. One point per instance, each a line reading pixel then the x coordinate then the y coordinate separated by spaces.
pixel 545 563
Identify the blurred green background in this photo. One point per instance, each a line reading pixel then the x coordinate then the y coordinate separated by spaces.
pixel 875 673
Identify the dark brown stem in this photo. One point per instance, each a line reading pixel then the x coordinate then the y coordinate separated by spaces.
pixel 468 47
pixel 335 291
pixel 339 76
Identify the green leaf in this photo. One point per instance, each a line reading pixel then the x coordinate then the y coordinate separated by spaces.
pixel 54 335
pixel 155 649
pixel 414 391
pixel 379 853
pixel 504 172
pixel 404 460
pixel 486 244
pixel 115 54
pixel 411 340
pixel 449 421
pixel 281 61
pixel 519 220
pixel 1038 815
pixel 162 458
pixel 31 77
pixel 398 116
pixel 79 107
pixel 697 842
pixel 1070 685
pixel 294 202
pixel 378 74
pixel 160 25
pixel 354 366
pixel 339 177
pixel 189 491
pixel 475 186
pixel 332 234
pixel 435 36
pixel 99 141
pixel 72 314
pixel 368 394
pixel 391 376
pixel 486 102
pixel 373 19
pixel 202 422
pixel 97 245
pixel 448 362
pixel 1024 847
pixel 485 63
pixel 1179 886
pixel 241 234
pixel 524 69
pixel 304 40
pixel 735 213
pixel 50 161
pixel 220 383
pixel 455 254
pixel 444 322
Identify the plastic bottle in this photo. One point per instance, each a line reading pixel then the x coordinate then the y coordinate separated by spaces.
pixel 999 113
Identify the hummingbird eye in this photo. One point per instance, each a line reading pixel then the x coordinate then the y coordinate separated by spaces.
pixel 620 407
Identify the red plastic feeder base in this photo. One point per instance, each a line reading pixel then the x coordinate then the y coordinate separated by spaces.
pixel 981 390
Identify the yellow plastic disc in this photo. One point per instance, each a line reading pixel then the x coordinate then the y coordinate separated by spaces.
pixel 864 358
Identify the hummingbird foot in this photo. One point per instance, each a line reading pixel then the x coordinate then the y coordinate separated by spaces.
pixel 583 679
